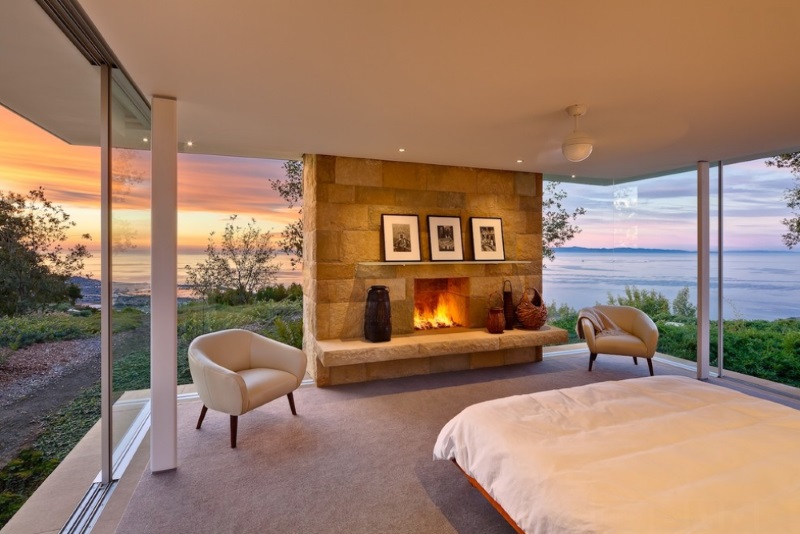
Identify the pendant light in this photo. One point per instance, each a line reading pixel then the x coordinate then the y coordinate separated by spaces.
pixel 578 145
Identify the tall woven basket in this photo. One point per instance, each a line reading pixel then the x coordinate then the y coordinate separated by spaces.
pixel 531 311
pixel 509 310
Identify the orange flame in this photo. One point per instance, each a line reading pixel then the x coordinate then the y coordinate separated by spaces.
pixel 427 319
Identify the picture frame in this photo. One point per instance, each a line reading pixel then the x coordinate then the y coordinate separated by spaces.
pixel 445 238
pixel 487 238
pixel 400 237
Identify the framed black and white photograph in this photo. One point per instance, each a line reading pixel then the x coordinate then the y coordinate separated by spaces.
pixel 401 237
pixel 445 236
pixel 487 238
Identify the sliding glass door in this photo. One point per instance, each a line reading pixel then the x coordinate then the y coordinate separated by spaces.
pixel 126 269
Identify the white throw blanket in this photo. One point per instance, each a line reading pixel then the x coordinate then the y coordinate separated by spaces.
pixel 603 325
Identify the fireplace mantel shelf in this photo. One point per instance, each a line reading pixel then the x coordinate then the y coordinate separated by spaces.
pixel 412 263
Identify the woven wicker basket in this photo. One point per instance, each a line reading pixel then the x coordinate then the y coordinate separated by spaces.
pixel 532 311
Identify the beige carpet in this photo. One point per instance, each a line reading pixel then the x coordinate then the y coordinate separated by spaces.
pixel 357 459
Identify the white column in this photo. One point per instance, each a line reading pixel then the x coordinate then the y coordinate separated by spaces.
pixel 703 270
pixel 106 358
pixel 720 277
pixel 164 286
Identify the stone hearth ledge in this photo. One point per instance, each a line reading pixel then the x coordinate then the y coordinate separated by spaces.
pixel 336 352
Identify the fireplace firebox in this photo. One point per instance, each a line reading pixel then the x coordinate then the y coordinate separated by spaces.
pixel 441 303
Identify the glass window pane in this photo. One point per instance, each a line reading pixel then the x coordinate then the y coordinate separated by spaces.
pixel 130 261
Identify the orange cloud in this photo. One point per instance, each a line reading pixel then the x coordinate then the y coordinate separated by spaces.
pixel 210 188
pixel 31 157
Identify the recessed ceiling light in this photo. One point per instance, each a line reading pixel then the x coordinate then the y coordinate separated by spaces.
pixel 519 161
pixel 189 143
pixel 402 150
pixel 144 139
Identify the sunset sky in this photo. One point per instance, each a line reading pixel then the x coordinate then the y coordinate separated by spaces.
pixel 662 212
pixel 656 213
pixel 210 188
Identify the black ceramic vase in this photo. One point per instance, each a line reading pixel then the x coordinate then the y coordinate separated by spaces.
pixel 378 315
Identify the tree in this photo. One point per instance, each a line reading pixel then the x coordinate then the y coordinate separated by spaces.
pixel 291 190
pixel 243 263
pixel 557 223
pixel 682 306
pixel 790 161
pixel 35 265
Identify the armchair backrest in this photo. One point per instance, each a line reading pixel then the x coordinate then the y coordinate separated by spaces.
pixel 227 348
pixel 624 316
pixel 238 350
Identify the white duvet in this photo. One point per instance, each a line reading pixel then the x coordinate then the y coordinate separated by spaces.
pixel 655 454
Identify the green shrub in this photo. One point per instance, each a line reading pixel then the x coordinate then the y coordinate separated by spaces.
pixel 200 318
pixel 276 293
pixel 24 330
pixel 682 307
pixel 280 292
pixel 650 301
pixel 677 340
pixel 62 431
pixel 791 345
pixel 289 332
pixel 565 317
pixel 19 478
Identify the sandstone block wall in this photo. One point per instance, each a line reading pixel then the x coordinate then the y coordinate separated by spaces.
pixel 344 199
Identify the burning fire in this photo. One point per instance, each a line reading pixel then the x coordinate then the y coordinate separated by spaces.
pixel 427 319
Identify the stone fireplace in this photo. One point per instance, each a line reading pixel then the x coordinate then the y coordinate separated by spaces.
pixel 344 199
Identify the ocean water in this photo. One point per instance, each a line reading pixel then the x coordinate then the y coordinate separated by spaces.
pixel 757 285
pixel 134 268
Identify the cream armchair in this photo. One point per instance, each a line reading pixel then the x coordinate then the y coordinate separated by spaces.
pixel 236 371
pixel 620 330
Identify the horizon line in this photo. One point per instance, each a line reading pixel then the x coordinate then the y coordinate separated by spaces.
pixel 654 249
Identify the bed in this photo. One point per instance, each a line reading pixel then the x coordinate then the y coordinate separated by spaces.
pixel 654 454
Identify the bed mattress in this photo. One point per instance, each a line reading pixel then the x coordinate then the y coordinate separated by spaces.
pixel 655 454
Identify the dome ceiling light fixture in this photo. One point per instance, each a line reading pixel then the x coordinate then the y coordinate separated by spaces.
pixel 578 145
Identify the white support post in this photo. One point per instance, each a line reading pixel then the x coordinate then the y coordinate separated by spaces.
pixel 106 356
pixel 720 277
pixel 703 270
pixel 164 286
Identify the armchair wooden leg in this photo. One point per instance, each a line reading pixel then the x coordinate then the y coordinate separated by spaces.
pixel 291 403
pixel 650 365
pixel 635 361
pixel 202 416
pixel 592 358
pixel 234 426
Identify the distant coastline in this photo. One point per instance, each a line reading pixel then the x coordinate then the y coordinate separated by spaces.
pixel 633 250
pixel 134 294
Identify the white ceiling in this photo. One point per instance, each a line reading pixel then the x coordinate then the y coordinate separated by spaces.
pixel 469 82
pixel 44 78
